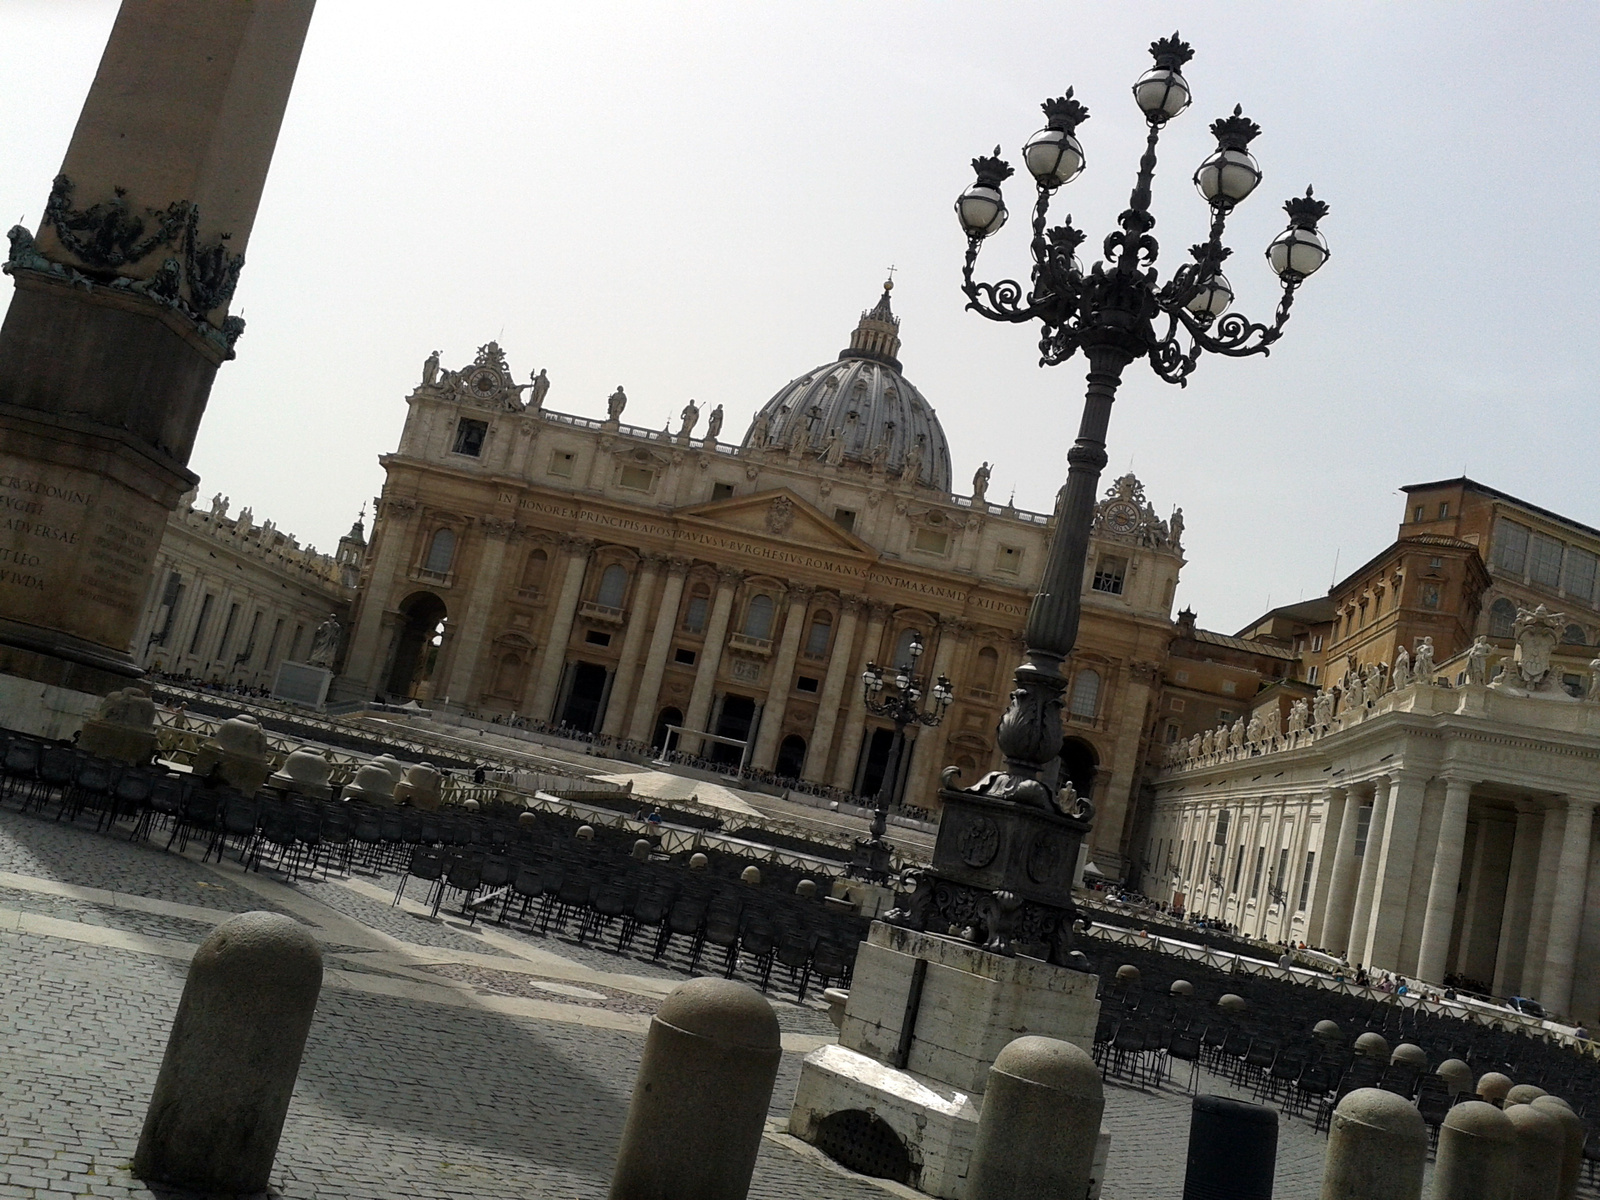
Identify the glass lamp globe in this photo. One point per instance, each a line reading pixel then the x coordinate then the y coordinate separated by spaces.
pixel 1297 252
pixel 902 681
pixel 1053 157
pixel 1161 93
pixel 1227 177
pixel 1213 298
pixel 915 647
pixel 981 211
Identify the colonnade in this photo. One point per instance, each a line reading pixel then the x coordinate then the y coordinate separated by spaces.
pixel 1405 871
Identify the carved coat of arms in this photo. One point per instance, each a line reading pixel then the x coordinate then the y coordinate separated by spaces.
pixel 780 516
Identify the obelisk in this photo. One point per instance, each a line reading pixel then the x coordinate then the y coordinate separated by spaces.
pixel 117 325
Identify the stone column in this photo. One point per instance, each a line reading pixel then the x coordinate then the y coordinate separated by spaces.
pixel 794 622
pixel 642 724
pixel 705 676
pixel 364 660
pixel 1518 903
pixel 644 588
pixel 108 353
pixel 485 585
pixel 1566 908
pixel 1338 807
pixel 1392 886
pixel 1359 921
pixel 1544 890
pixel 559 633
pixel 1297 874
pixel 1442 888
pixel 844 768
pixel 921 782
pixel 840 672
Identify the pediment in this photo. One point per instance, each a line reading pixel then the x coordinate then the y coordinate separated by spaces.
pixel 779 515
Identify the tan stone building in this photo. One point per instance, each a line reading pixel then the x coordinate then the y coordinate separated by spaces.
pixel 231 600
pixel 628 581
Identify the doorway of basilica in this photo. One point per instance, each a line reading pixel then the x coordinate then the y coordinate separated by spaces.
pixel 587 690
pixel 416 651
pixel 738 713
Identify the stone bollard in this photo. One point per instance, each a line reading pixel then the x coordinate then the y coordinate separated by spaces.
pixel 1407 1052
pixel 1040 1122
pixel 806 889
pixel 1493 1086
pixel 1328 1031
pixel 1477 1155
pixel 1377 1145
pixel 1181 987
pixel 751 875
pixel 1127 973
pixel 1230 1003
pixel 1572 1125
pixel 700 1101
pixel 1233 1150
pixel 1541 1145
pixel 220 1098
pixel 527 820
pixel 585 833
pixel 698 861
pixel 1457 1074
pixel 1372 1045
pixel 1524 1093
pixel 641 850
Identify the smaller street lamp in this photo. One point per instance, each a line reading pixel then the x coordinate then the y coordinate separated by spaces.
pixel 902 705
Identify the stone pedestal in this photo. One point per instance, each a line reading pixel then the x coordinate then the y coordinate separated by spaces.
pixel 304 684
pixel 420 787
pixel 305 773
pixel 237 753
pixel 123 727
pixel 926 1018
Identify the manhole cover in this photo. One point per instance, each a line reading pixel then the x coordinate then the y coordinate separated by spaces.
pixel 864 1143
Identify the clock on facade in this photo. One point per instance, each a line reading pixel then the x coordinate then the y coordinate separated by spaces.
pixel 1121 516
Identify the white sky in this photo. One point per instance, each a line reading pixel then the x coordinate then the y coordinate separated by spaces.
pixel 698 200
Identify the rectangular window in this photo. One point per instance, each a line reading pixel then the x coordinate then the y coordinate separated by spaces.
pixel 227 631
pixel 1311 675
pixel 1176 704
pixel 721 491
pixel 1416 513
pixel 597 637
pixel 1108 575
pixel 1544 561
pixel 561 464
pixel 636 479
pixel 817 639
pixel 1255 877
pixel 1282 881
pixel 1305 880
pixel 272 646
pixel 1224 715
pixel 1180 677
pixel 294 646
pixel 845 518
pixel 1574 685
pixel 683 656
pixel 200 625
pixel 1578 578
pixel 470 436
pixel 1220 838
pixel 1363 822
pixel 931 541
pixel 1510 547
pixel 1444 509
pixel 806 683
pixel 695 619
pixel 1316 643
pixel 1229 687
pixel 1008 560
pixel 1238 868
pixel 1172 733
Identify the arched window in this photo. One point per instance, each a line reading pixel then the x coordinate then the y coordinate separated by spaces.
pixel 1085 693
pixel 988 668
pixel 533 572
pixel 507 675
pixel 1502 616
pixel 902 648
pixel 613 585
pixel 758 617
pixel 821 631
pixel 694 617
pixel 1573 635
pixel 441 551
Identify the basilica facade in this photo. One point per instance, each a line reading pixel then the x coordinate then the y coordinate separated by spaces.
pixel 723 596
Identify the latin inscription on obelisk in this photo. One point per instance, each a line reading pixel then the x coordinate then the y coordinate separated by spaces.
pixel 75 549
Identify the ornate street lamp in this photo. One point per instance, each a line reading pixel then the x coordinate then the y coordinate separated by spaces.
pixel 902 705
pixel 1112 313
pixel 1004 861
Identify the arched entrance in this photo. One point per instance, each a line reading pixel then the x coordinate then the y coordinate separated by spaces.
pixel 791 757
pixel 669 716
pixel 875 761
pixel 416 650
pixel 738 712
pixel 1079 763
pixel 588 688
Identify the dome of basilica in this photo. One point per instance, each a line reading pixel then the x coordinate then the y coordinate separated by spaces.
pixel 859 408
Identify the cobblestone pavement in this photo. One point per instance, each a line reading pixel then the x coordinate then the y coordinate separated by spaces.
pixel 443 1062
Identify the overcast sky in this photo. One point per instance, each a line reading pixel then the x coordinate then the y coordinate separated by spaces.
pixel 698 201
